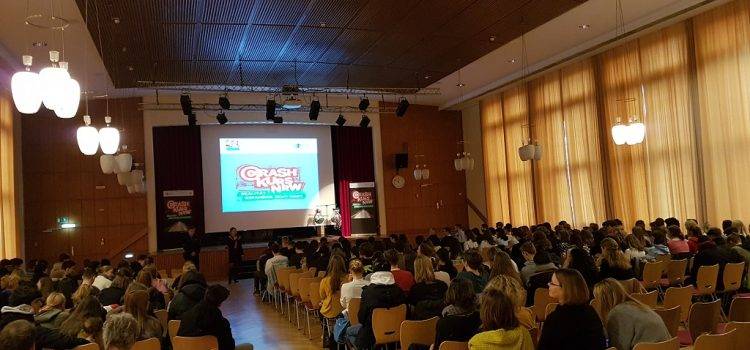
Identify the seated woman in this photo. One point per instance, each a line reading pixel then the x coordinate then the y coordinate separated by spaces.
pixel 381 293
pixel 53 313
pixel 579 259
pixel 353 288
pixel 502 264
pixel 574 324
pixel 137 304
pixel 474 271
pixel 659 247
pixel 501 329
pixel 677 243
pixel 329 286
pixel 517 294
pixel 445 263
pixel 426 295
pixel 613 263
pixel 628 321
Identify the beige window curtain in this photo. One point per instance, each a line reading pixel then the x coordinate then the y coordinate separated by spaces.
pixel 10 240
pixel 722 49
pixel 493 148
pixel 520 185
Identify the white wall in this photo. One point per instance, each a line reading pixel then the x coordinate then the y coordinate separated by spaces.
pixel 153 118
pixel 472 130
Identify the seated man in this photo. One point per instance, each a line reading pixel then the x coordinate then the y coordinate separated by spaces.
pixel 206 319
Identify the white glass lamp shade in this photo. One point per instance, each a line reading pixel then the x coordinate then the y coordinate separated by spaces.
pixel 124 162
pixel 70 97
pixel 108 163
pixel 537 152
pixel 26 90
pixel 636 133
pixel 620 134
pixel 136 177
pixel 123 179
pixel 457 164
pixel 88 140
pixel 526 152
pixel 417 174
pixel 53 81
pixel 109 139
pixel 131 189
pixel 425 174
pixel 471 164
pixel 140 187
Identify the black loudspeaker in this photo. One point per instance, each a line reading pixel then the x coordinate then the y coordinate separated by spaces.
pixel 402 160
pixel 270 109
pixel 314 109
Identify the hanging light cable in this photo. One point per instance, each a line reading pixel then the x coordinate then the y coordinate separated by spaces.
pixel 87 135
pixel 70 90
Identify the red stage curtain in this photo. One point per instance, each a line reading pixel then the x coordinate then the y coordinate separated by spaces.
pixel 352 162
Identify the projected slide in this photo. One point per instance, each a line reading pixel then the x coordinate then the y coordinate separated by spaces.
pixel 261 174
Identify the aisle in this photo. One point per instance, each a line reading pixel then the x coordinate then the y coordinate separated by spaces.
pixel 261 325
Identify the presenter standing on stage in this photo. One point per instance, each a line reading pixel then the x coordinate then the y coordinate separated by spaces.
pixel 191 247
pixel 234 247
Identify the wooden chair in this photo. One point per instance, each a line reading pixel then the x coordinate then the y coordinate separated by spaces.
pixel 671 344
pixel 174 273
pixel 296 285
pixel 742 339
pixel 314 270
pixel 353 311
pixel 632 286
pixel 649 298
pixel 706 280
pixel 703 318
pixel 675 273
pixel 206 342
pixel 732 277
pixel 89 346
pixel 418 332
pixel 671 318
pixel 163 317
pixel 386 324
pixel 172 327
pixel 541 299
pixel 679 296
pixel 549 309
pixel 314 304
pixel 739 310
pixel 162 273
pixel 652 272
pixel 147 344
pixel 454 345
pixel 724 341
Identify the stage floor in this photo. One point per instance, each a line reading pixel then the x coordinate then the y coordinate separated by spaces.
pixel 260 324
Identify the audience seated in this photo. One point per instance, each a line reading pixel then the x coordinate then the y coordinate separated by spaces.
pixel 404 279
pixel 613 262
pixel 137 304
pixel 511 288
pixel 104 278
pixel 445 264
pixel 18 335
pixel 427 294
pixel 627 321
pixel 381 293
pixel 329 286
pixel 206 318
pixel 353 289
pixel 190 292
pixel 53 313
pixel 460 317
pixel 474 270
pixel 113 295
pixel 119 332
pixel 500 327
pixel 502 264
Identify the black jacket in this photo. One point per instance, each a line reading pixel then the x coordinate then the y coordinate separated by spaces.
pixel 111 295
pixel 67 286
pixel 205 319
pixel 573 327
pixel 234 248
pixel 190 245
pixel 375 296
pixel 189 295
pixel 427 299
pixel 457 328
pixel 618 273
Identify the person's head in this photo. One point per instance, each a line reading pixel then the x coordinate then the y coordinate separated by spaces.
pixel 726 224
pixel 739 227
pixel 473 260
pixel 336 271
pixel 461 294
pixel 569 287
pixel 610 293
pixel 24 294
pixel 120 281
pixel 612 255
pixel 509 286
pixel 191 231
pixel 107 271
pixel 216 294
pixel 423 271
pixel 18 335
pixel 528 250
pixel 119 332
pixel 136 304
pixel 634 243
pixel 503 265
pixel 144 277
pixel 92 327
pixel 497 311
pixel 87 307
pixel 674 232
pixel 54 300
pixel 366 250
pixel 426 249
pixel 356 268
pixel 672 222
pixel 391 255
pixel 233 231
pixel 542 257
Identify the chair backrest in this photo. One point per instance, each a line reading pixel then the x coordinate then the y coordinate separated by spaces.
pixel 742 339
pixel 671 318
pixel 671 344
pixel 732 277
pixel 649 299
pixel 206 342
pixel 282 276
pixel 454 345
pixel 147 344
pixel 541 299
pixel 353 310
pixel 739 311
pixel 163 317
pixel 705 283
pixel 314 294
pixel 664 257
pixel 679 296
pixel 293 280
pixel 418 332
pixel 549 309
pixel 321 273
pixel 632 286
pixel 304 288
pixel 172 327
pixel 704 317
pixel 652 272
pixel 163 273
pixel 716 341
pixel 676 271
pixel 175 272
pixel 386 323
pixel 89 346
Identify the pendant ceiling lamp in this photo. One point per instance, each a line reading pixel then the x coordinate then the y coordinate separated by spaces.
pixel 109 137
pixel 25 86
pixel 53 80
pixel 70 98
pixel 87 137
pixel 108 163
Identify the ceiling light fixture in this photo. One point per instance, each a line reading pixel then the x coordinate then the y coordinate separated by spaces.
pixel 224 102
pixel 460 85
pixel 492 38
pixel 364 103
pixel 109 137
pixel 402 106
pixel 270 109
pixel 364 122
pixel 25 86
pixel 222 118
pixel 512 60
pixel 52 80
pixel 292 102
pixel 87 137
pixel 314 109
pixel 340 121
pixel 584 26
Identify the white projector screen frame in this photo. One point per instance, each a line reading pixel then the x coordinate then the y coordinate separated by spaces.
pixel 218 221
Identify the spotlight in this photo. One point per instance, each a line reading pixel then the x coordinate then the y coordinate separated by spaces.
pixel 314 109
pixel 270 109
pixel 365 121
pixel 363 104
pixel 278 120
pixel 186 104
pixel 224 102
pixel 222 118
pixel 403 105
pixel 192 120
pixel 341 120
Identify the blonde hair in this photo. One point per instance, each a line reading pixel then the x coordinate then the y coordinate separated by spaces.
pixel 612 254
pixel 83 291
pixel 188 266
pixel 510 287
pixel 54 300
pixel 356 267
pixel 574 288
pixel 610 293
pixel 740 227
pixel 423 271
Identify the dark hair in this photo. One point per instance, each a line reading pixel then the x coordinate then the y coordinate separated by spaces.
pixel 461 294
pixel 391 255
pixel 18 335
pixel 24 294
pixel 473 259
pixel 672 222
pixel 497 311
pixel 365 250
pixel 675 232
pixel 541 257
pixel 216 294
pixel 726 224
pixel 659 237
pixel 274 247
pixel 87 307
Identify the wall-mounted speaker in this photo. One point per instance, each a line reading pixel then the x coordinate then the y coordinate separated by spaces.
pixel 402 161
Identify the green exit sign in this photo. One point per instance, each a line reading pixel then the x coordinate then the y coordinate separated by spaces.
pixel 62 220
